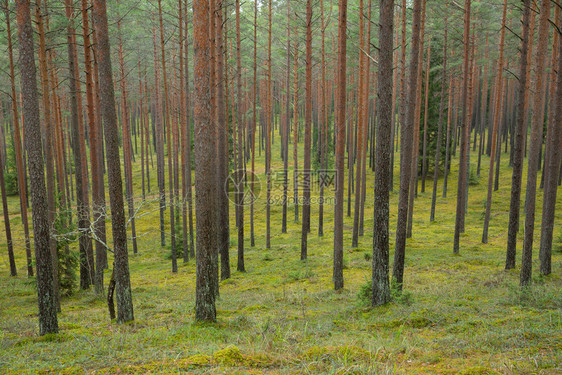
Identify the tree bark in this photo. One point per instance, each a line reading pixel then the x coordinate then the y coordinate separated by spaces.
pixel 360 126
pixel 205 168
pixel 118 222
pixel 465 129
pixel 537 120
pixel 48 322
pixel 20 167
pixel 552 154
pixel 339 129
pixel 440 123
pixel 40 12
pixel 86 266
pixel 381 286
pixel 519 133
pixel 307 172
pixel 9 243
pixel 406 152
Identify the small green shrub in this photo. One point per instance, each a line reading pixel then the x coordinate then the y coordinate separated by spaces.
pixel 67 259
pixel 365 295
pixel 473 178
pixel 11 176
pixel 301 274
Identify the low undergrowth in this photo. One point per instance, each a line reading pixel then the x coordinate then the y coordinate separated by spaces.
pixel 457 314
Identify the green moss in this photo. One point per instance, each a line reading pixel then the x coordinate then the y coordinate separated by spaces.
pixel 455 313
pixel 229 356
pixel 197 360
pixel 478 370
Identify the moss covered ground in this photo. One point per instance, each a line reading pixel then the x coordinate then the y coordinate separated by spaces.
pixel 458 315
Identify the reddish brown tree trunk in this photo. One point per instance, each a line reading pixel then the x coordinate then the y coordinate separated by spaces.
pixel 519 133
pixel 205 167
pixel 465 128
pixel 40 12
pixel 9 243
pixel 307 172
pixel 406 132
pixel 360 126
pixel 87 270
pixel 20 167
pixel 339 129
pixel 493 135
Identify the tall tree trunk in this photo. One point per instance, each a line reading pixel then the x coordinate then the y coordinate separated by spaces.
pixel 184 126
pixel 20 167
pixel 323 134
pixel 159 141
pixel 9 243
pixel 450 135
pixel 127 145
pixel 425 116
pixel 552 156
pixel 339 129
pixel 168 125
pixel 483 109
pixel 241 173
pixel 97 202
pixel 40 13
pixel 268 106
pixel 519 133
pixel 465 135
pixel 536 142
pixel 83 214
pixel 307 172
pixel 381 286
pixel 205 168
pixel 99 199
pixel 360 126
pixel 296 128
pixel 440 123
pixel 45 290
pixel 188 147
pixel 406 131
pixel 254 104
pixel 118 222
pixel 493 136
pixel 413 193
pixel 366 116
pixel 222 171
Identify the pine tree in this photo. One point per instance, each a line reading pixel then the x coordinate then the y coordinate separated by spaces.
pixel 48 322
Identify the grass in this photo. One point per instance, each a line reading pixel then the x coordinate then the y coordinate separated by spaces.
pixel 458 315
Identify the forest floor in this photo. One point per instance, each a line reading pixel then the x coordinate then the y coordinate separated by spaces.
pixel 458 313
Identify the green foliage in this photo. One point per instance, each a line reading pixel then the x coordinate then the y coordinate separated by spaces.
pixel 10 174
pixel 67 258
pixel 316 164
pixel 365 295
pixel 473 178
pixel 434 103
